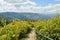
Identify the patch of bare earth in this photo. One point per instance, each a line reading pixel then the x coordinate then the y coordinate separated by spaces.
pixel 31 35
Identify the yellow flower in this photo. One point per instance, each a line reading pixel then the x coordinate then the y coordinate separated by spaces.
pixel 1 29
pixel 13 35
pixel 4 36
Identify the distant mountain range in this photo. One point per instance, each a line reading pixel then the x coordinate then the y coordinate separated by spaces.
pixel 25 16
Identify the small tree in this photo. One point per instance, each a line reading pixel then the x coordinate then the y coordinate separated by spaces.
pixel 3 21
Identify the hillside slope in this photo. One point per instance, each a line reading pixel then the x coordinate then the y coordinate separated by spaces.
pixel 25 16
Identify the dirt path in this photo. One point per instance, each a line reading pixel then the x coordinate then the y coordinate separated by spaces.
pixel 31 35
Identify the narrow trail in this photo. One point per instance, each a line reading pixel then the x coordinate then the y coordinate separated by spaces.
pixel 31 35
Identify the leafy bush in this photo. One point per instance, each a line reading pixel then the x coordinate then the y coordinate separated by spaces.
pixel 50 28
pixel 14 30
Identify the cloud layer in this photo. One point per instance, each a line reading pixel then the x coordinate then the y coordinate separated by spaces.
pixel 27 6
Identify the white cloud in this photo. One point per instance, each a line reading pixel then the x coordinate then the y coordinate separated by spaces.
pixel 27 6
pixel 4 6
pixel 16 1
pixel 19 2
pixel 53 8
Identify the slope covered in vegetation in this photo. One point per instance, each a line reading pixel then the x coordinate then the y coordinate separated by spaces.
pixel 15 30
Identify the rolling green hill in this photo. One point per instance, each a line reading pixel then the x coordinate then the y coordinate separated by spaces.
pixel 25 16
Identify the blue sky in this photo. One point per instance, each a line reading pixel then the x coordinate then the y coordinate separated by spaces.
pixel 37 6
pixel 46 2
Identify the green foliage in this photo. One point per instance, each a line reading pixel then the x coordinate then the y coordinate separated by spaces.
pixel 3 22
pixel 50 28
pixel 14 30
